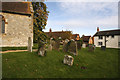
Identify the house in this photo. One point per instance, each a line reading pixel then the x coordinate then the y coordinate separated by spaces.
pixel 85 39
pixel 108 38
pixel 76 37
pixel 17 24
pixel 59 34
pixel 91 40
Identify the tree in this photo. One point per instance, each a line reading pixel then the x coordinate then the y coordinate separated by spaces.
pixel 39 20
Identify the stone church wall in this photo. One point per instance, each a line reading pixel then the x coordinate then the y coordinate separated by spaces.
pixel 17 30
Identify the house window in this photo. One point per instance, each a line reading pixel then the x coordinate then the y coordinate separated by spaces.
pixel 100 37
pixel 99 43
pixel 112 36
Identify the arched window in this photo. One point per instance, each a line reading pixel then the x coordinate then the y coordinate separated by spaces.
pixel 2 24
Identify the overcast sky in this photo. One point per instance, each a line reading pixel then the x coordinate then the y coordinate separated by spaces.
pixel 82 17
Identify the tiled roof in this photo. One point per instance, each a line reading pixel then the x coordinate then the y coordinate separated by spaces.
pixel 74 36
pixel 108 32
pixel 62 34
pixel 16 7
pixel 86 38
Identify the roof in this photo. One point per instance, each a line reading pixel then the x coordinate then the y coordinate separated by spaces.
pixel 108 32
pixel 16 7
pixel 86 38
pixel 57 34
pixel 74 36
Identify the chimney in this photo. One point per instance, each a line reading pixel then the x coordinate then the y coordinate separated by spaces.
pixel 97 29
pixel 50 30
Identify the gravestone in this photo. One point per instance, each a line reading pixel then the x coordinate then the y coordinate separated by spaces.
pixel 68 60
pixel 91 47
pixel 41 48
pixel 42 51
pixel 78 45
pixel 56 45
pixel 72 47
pixel 103 48
pixel 50 45
pixel 65 45
pixel 29 44
pixel 83 45
pixel 66 40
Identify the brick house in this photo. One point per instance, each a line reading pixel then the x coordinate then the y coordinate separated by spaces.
pixel 86 39
pixel 59 34
pixel 76 37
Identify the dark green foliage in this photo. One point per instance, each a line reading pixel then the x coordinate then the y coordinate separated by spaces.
pixel 39 20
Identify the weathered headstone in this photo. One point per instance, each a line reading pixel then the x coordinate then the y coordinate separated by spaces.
pixel 83 45
pixel 65 45
pixel 91 48
pixel 68 60
pixel 29 44
pixel 42 51
pixel 66 40
pixel 56 45
pixel 50 45
pixel 103 48
pixel 78 45
pixel 72 47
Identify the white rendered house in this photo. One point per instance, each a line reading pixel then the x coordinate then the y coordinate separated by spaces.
pixel 109 38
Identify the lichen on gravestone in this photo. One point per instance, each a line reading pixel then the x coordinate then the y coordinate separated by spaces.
pixel 68 60
pixel 72 47
pixel 41 49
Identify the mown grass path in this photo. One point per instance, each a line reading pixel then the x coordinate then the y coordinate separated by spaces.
pixel 99 64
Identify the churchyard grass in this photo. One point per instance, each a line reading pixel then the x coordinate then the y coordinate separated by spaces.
pixel 99 64
pixel 35 46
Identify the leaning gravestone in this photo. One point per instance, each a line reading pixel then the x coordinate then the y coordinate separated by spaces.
pixel 83 45
pixel 41 50
pixel 68 60
pixel 29 44
pixel 72 47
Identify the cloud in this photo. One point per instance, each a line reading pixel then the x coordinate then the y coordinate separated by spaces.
pixel 89 8
pixel 82 0
pixel 108 22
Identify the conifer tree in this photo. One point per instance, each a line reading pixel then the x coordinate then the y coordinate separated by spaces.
pixel 39 20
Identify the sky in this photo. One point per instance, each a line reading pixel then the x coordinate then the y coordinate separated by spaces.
pixel 82 17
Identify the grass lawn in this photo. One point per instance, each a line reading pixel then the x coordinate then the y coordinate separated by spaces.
pixel 35 46
pixel 100 64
